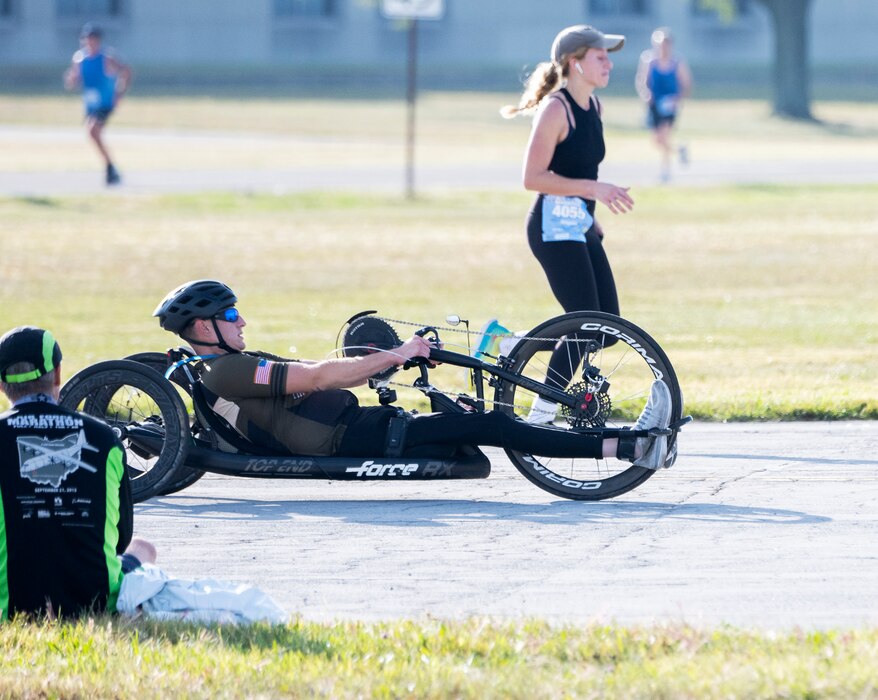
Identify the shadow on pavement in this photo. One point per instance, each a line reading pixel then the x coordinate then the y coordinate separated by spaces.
pixel 443 513
pixel 785 459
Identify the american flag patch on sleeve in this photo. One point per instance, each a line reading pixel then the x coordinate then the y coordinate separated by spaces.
pixel 263 372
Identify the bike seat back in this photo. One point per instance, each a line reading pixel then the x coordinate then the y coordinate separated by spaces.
pixel 226 437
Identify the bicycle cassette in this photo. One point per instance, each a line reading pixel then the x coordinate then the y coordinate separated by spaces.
pixel 592 406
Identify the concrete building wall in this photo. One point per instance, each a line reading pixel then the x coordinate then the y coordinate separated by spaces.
pixel 471 33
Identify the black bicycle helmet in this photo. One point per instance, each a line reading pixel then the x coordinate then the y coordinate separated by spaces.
pixel 195 299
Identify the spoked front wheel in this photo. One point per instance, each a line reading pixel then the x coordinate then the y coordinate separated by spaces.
pixel 146 412
pixel 608 365
pixel 184 476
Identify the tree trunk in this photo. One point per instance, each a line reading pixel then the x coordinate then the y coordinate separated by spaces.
pixel 792 78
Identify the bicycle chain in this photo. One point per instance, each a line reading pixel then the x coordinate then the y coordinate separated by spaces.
pixel 452 329
pixel 468 332
pixel 449 329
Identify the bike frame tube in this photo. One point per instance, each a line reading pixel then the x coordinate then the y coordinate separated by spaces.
pixel 459 360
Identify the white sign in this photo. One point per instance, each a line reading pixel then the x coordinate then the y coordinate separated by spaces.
pixel 413 9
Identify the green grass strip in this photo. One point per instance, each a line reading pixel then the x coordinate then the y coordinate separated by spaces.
pixel 473 658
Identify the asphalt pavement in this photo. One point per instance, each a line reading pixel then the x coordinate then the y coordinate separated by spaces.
pixel 765 525
pixel 372 177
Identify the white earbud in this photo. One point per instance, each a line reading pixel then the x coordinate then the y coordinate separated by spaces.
pixel 578 67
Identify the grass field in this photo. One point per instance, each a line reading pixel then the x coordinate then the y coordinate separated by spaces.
pixel 431 659
pixel 764 298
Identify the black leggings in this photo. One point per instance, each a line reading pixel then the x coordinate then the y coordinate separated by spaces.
pixel 437 434
pixel 580 277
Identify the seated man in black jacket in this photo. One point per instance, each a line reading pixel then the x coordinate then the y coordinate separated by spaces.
pixel 66 515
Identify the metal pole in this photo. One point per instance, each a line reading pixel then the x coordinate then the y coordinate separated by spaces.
pixel 410 98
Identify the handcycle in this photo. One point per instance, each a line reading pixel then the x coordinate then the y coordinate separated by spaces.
pixel 155 402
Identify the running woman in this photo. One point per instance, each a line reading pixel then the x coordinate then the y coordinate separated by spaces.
pixel 561 165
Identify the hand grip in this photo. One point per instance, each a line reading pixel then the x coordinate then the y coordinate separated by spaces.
pixel 415 362
pixel 421 361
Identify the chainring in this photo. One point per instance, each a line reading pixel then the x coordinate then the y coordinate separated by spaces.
pixel 367 335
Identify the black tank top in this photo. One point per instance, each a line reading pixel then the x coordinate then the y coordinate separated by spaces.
pixel 579 155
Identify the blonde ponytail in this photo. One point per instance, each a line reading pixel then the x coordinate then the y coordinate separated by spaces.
pixel 545 79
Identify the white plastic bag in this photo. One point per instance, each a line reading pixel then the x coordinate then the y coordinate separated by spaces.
pixel 157 595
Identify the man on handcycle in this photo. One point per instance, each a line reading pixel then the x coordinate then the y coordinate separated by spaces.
pixel 303 407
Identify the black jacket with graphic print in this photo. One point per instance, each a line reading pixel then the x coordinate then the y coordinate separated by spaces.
pixel 66 512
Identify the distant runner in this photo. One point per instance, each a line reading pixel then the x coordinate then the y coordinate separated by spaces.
pixel 663 81
pixel 104 79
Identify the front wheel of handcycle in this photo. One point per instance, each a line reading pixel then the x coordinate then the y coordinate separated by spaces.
pixel 144 410
pixel 184 476
pixel 608 365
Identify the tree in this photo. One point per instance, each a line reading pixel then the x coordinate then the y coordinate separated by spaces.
pixel 792 75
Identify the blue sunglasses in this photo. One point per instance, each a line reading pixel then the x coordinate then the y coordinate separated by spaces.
pixel 231 315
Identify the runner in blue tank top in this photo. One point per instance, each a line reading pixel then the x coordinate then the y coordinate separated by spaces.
pixel 662 82
pixel 561 165
pixel 104 79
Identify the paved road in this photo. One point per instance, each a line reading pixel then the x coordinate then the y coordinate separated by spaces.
pixel 373 177
pixel 391 179
pixel 765 525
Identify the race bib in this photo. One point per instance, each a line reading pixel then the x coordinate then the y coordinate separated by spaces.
pixel 666 105
pixel 92 98
pixel 565 219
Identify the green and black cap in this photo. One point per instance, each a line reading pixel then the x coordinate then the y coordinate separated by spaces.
pixel 28 344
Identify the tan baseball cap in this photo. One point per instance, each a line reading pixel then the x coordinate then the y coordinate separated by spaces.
pixel 573 38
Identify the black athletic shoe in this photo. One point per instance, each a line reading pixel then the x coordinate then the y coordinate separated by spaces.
pixel 113 177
